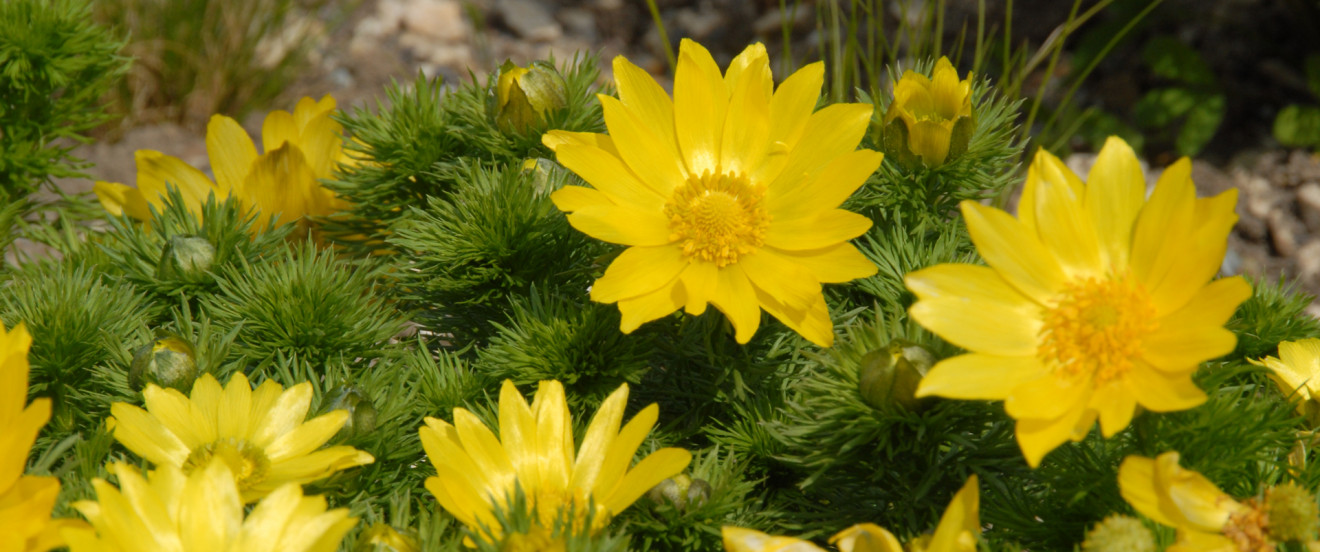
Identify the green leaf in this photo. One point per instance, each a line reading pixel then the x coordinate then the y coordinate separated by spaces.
pixel 1171 59
pixel 1298 126
pixel 1160 107
pixel 1202 122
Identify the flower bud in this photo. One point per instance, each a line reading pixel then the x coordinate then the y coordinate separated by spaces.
pixel 1292 512
pixel 361 413
pixel 890 376
pixel 930 119
pixel 681 491
pixel 383 538
pixel 524 95
pixel 1119 533
pixel 166 362
pixel 186 258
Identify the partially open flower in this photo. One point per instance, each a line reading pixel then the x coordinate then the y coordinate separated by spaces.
pixel 930 119
pixel 524 95
pixel 1207 519
pixel 1295 371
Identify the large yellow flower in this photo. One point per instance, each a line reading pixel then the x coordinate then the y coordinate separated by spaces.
pixel 1297 373
pixel 476 472
pixel 169 511
pixel 726 195
pixel 1207 519
pixel 1096 299
pixel 25 500
pixel 260 434
pixel 931 110
pixel 958 531
pixel 300 148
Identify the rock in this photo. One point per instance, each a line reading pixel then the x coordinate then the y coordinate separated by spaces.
pixel 439 20
pixel 1302 168
pixel 1308 263
pixel 1209 180
pixel 772 23
pixel 579 23
pixel 1308 205
pixel 698 24
pixel 1259 194
pixel 1286 232
pixel 529 20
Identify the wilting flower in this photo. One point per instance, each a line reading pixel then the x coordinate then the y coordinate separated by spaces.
pixel 477 472
pixel 300 147
pixel 259 433
pixel 726 195
pixel 170 511
pixel 524 95
pixel 931 117
pixel 1207 519
pixel 958 531
pixel 25 500
pixel 1297 372
pixel 1096 299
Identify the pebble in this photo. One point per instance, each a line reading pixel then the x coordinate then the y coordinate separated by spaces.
pixel 530 20
pixel 439 20
pixel 1308 261
pixel 1285 232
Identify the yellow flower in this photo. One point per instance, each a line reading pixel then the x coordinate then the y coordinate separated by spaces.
pixel 727 194
pixel 936 114
pixel 1296 372
pixel 25 500
pixel 260 434
pixel 958 531
pixel 1207 519
pixel 301 147
pixel 1096 299
pixel 476 472
pixel 171 511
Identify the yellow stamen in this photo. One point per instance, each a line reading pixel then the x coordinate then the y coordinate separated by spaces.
pixel 1248 528
pixel 718 217
pixel 1096 326
pixel 248 463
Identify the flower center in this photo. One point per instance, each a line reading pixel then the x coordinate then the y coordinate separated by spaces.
pixel 1096 327
pixel 1248 528
pixel 248 462
pixel 717 217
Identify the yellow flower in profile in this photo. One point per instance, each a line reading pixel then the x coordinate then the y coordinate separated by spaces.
pixel 1096 299
pixel 300 148
pixel 935 113
pixel 169 511
pixel 259 434
pixel 25 500
pixel 726 195
pixel 1207 519
pixel 1297 372
pixel 477 473
pixel 958 531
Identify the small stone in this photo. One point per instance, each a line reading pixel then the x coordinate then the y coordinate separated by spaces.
pixel 772 23
pixel 1209 180
pixel 1302 168
pixel 1285 232
pixel 440 20
pixel 529 20
pixel 579 23
pixel 1308 203
pixel 698 24
pixel 1308 262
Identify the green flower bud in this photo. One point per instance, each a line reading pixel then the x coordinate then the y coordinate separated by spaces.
pixel 1119 533
pixel 166 362
pixel 383 538
pixel 361 413
pixel 522 96
pixel 890 376
pixel 681 491
pixel 186 258
pixel 1293 513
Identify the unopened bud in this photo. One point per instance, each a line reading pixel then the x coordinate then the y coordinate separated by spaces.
pixel 383 538
pixel 890 376
pixel 361 413
pixel 681 491
pixel 1293 514
pixel 166 362
pixel 522 96
pixel 186 258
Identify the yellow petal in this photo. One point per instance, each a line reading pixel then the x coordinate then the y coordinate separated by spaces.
pixel 518 435
pixel 656 163
pixel 156 170
pixel 834 264
pixel 736 298
pixel 143 434
pixel 1162 236
pixel 1136 482
pixel 1045 168
pixel 653 469
pixel 813 323
pixel 308 436
pixel 619 453
pixel 442 446
pixel 1013 251
pixel 779 277
pixel 699 280
pixel 236 408
pixel 975 308
pixel 1200 257
pixel 1038 436
pixel 637 271
pixel 322 143
pixel 960 526
pixel 815 232
pixel 1195 333
pixel 790 109
pixel 828 189
pixel 742 65
pixel 930 140
pixel 20 432
pixel 737 539
pixel 118 200
pixel 285 415
pixel 650 104
pixel 211 512
pixel 650 306
pixel 1049 397
pixel 748 117
pixel 622 225
pixel 572 198
pixel 976 376
pixel 1189 497
pixel 279 128
pixel 607 173
pixel 700 101
pixel 866 537
pixel 1115 191
pixel 1115 404
pixel 554 435
pixel 179 416
pixel 556 138
pixel 601 432
pixel 1067 230
pixel 829 133
pixel 280 185
pixel 482 445
pixel 1163 392
pixel 231 151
